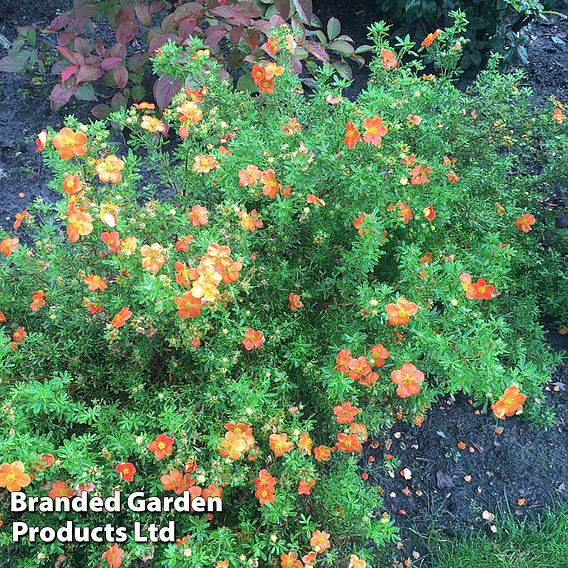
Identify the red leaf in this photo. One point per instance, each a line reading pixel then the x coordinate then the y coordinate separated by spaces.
pixel 156 7
pixel 186 28
pixel 159 40
pixel 101 111
pixel 88 73
pixel 65 38
pixel 137 61
pixel 68 72
pixel 304 9
pixel 59 22
pixel 164 91
pixel 73 57
pixel 215 34
pixel 82 47
pixel 124 15
pixel 83 11
pixel 317 50
pixel 283 7
pixel 110 63
pixel 118 101
pixel 60 95
pixel 121 76
pixel 235 35
pixel 252 38
pixel 126 32
pixel 118 50
pixel 143 14
pixel 193 10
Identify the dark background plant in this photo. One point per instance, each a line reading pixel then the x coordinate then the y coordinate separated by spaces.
pixel 99 50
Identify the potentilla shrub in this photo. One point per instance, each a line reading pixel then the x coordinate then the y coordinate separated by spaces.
pixel 231 296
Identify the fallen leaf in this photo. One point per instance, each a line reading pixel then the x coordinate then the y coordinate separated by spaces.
pixel 488 516
pixel 443 480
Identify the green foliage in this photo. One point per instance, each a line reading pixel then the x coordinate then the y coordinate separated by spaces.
pixel 495 26
pixel 94 390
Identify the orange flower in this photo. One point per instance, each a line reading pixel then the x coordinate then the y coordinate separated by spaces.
pixel 310 559
pixel 258 74
pixel 95 283
pixel 204 164
pixel 9 245
pixel 162 446
pixel 233 446
pixel 112 240
pixel 453 177
pixel 121 317
pixel 198 216
pixel 60 489
pixel 13 476
pixel 41 141
pixel 171 480
pixel 524 223
pixel 266 86
pixel 3 317
pixel 72 184
pixel 305 486
pixel 189 112
pixel 348 443
pixel 408 377
pixel 500 209
pixel 352 136
pixel 290 560
pixel 70 144
pixel 558 116
pixel 270 186
pixel 388 61
pixel 429 39
pixel 80 225
pixel 404 211
pixel 253 339
pixel 265 485
pixel 305 443
pixel 429 213
pixel 294 302
pixel 292 127
pixel 315 200
pixel 196 96
pixel 108 214
pixel 272 45
pixel 320 541
pixel 38 300
pixel 152 124
pixel 113 556
pixel 358 368
pixel 183 243
pixel 19 335
pixel 345 414
pixel 342 360
pixel 356 562
pixel 510 403
pixel 249 176
pixel 400 313
pixel 374 130
pixel 379 353
pixel 479 290
pixel 358 223
pixel 414 119
pixel 153 257
pixel 144 106
pixel 109 169
pixel 279 444
pixel 272 70
pixel 250 222
pixel 322 453
pixel 126 471
pixel 19 218
pixel 420 174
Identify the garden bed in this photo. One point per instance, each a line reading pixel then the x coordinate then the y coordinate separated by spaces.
pixel 461 471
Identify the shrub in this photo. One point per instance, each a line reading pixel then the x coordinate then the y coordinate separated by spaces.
pixel 235 301
pixel 104 47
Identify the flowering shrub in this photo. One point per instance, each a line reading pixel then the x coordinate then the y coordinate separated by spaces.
pixel 83 57
pixel 234 301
